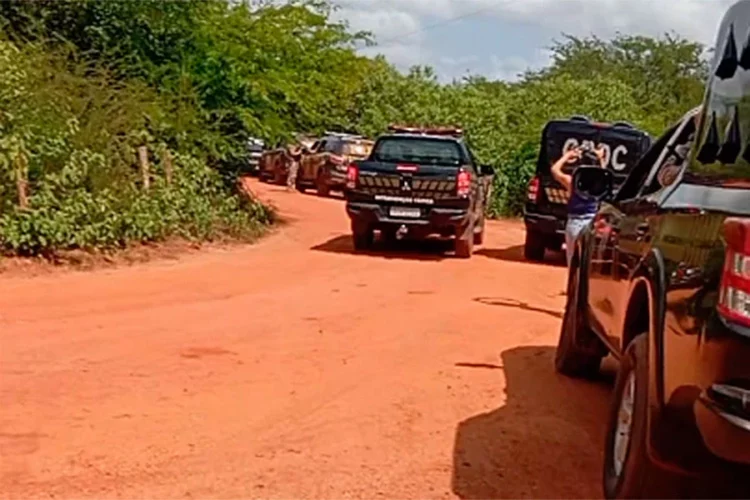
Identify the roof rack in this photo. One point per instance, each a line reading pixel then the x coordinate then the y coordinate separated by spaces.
pixel 343 134
pixel 406 129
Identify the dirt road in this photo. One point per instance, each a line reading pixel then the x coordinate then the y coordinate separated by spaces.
pixel 296 369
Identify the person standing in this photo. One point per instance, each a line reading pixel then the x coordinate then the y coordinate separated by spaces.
pixel 293 155
pixel 581 211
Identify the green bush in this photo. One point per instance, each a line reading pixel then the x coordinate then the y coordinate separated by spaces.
pixel 64 213
pixel 83 83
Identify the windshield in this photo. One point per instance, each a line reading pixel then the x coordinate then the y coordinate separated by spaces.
pixel 419 150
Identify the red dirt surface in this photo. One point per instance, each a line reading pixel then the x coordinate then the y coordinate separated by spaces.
pixel 294 368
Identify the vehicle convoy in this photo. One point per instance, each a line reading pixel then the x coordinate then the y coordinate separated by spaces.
pixel 546 212
pixel 661 280
pixel 419 182
pixel 324 166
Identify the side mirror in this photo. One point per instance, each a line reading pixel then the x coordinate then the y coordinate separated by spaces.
pixel 593 183
pixel 486 170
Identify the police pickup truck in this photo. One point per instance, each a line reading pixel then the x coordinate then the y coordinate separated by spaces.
pixel 546 209
pixel 419 182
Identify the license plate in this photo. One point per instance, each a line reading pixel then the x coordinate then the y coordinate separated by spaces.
pixel 409 212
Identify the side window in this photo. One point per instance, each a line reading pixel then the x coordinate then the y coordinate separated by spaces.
pixel 322 145
pixel 334 147
pixel 314 148
pixel 673 162
pixel 633 184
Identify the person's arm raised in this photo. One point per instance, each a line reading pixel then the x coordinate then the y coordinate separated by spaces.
pixel 557 169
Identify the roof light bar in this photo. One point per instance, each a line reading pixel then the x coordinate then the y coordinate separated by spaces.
pixel 406 129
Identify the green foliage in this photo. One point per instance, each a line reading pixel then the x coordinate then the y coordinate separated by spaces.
pixel 83 83
pixel 65 214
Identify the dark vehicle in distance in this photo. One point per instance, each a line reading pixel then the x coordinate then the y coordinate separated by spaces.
pixel 546 211
pixel 255 148
pixel 324 166
pixel 419 182
pixel 661 280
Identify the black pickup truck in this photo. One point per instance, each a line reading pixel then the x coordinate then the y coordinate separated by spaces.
pixel 419 182
pixel 661 280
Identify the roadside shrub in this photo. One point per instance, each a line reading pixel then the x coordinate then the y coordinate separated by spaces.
pixel 511 181
pixel 64 213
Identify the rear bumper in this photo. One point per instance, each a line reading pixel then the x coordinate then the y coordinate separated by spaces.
pixel 725 434
pixel 544 224
pixel 433 218
pixel 336 180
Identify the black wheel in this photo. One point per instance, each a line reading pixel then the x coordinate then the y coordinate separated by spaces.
pixel 534 247
pixel 479 233
pixel 465 241
pixel 388 236
pixel 362 236
pixel 570 358
pixel 628 472
pixel 321 186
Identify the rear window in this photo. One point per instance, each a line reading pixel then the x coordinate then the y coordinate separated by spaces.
pixel 419 150
pixel 358 149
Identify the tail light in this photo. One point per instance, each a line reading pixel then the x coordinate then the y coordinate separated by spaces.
pixel 352 176
pixel 734 301
pixel 463 183
pixel 533 190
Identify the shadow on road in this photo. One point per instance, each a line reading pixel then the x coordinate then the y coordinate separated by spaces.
pixel 515 254
pixel 431 249
pixel 500 302
pixel 546 441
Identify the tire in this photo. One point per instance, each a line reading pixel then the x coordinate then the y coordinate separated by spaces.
pixel 570 358
pixel 479 235
pixel 465 241
pixel 534 247
pixel 362 237
pixel 638 477
pixel 321 187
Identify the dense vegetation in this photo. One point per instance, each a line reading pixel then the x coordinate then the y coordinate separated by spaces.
pixel 84 84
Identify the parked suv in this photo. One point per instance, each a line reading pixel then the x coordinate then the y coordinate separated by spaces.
pixel 546 211
pixel 661 280
pixel 324 166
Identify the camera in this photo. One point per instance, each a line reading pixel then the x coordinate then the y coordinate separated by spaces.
pixel 588 155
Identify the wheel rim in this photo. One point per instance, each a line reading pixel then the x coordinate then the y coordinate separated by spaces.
pixel 624 426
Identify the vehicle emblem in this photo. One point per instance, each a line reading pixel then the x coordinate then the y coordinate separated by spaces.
pixel 406 184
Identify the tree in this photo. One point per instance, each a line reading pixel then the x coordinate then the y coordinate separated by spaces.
pixel 666 74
